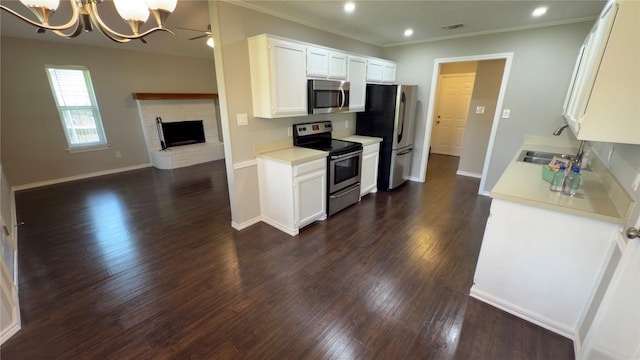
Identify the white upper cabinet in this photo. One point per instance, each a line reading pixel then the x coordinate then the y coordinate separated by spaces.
pixel 278 77
pixel 337 66
pixel 381 71
pixel 357 82
pixel 280 69
pixel 317 62
pixel 325 64
pixel 602 101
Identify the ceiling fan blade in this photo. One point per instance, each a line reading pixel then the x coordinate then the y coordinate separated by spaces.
pixel 198 37
pixel 181 28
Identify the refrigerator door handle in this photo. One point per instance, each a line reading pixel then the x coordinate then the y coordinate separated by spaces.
pixel 405 152
pixel 403 104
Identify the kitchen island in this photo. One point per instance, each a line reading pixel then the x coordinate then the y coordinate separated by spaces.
pixel 543 253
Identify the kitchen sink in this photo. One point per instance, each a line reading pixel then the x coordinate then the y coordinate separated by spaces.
pixel 543 158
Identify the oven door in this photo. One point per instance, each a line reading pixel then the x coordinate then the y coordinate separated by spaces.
pixel 344 170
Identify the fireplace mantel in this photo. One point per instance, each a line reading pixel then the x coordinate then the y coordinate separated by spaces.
pixel 175 96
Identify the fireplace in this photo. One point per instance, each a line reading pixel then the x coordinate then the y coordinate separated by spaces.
pixel 180 133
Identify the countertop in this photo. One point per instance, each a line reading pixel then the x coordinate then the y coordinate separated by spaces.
pixel 364 140
pixel 599 196
pixel 293 155
pixel 283 151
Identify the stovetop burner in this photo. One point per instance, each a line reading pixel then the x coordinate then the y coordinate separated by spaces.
pixel 318 136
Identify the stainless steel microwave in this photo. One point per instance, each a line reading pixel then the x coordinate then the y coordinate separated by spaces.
pixel 327 96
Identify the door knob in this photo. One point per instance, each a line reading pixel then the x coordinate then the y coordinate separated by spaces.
pixel 632 233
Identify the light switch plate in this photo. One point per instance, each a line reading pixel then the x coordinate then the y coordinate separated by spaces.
pixel 506 113
pixel 479 109
pixel 242 119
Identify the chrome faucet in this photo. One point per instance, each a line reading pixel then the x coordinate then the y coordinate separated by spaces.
pixel 577 160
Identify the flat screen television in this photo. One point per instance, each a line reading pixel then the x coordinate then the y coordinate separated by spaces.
pixel 183 133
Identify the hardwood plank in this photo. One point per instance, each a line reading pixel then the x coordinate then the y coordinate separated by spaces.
pixel 145 265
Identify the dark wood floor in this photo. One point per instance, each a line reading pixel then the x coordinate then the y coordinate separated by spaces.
pixel 145 265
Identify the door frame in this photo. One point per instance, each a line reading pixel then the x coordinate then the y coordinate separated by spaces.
pixel 508 57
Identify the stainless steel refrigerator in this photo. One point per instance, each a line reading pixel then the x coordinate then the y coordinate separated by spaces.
pixel 390 114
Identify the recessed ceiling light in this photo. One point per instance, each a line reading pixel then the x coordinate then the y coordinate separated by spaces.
pixel 539 11
pixel 408 32
pixel 349 7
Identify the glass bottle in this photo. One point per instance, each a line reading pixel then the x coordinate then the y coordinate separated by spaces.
pixel 571 182
pixel 558 179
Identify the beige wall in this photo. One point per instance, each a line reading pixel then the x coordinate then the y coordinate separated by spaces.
pixel 542 65
pixel 33 142
pixel 476 135
pixel 234 25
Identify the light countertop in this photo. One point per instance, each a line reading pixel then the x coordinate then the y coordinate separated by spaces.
pixel 599 196
pixel 364 140
pixel 293 155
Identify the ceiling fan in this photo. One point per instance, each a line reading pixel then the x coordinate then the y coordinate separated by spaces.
pixel 206 33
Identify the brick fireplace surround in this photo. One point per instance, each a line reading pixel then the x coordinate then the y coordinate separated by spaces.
pixel 179 107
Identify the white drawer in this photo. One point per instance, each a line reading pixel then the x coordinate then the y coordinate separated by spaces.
pixel 371 149
pixel 314 165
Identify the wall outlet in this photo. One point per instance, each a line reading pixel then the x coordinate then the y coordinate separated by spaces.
pixel 242 119
pixel 506 113
pixel 479 109
pixel 289 131
pixel 118 154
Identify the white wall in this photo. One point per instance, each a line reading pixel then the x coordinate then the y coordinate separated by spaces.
pixel 476 134
pixel 542 65
pixel 33 142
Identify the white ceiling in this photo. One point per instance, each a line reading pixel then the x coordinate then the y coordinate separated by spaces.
pixel 377 22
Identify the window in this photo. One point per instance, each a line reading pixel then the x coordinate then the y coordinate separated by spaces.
pixel 77 106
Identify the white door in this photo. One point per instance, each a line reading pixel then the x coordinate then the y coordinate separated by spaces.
pixel 452 109
pixel 309 197
pixel 615 333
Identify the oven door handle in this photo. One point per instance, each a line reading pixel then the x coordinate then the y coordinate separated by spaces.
pixel 346 191
pixel 353 154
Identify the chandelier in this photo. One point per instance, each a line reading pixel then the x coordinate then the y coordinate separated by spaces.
pixel 85 17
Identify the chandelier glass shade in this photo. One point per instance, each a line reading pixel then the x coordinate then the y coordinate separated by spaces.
pixel 85 17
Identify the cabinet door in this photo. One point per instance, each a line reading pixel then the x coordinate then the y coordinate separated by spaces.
pixel 317 62
pixel 369 174
pixel 374 70
pixel 389 73
pixel 288 80
pixel 337 66
pixel 358 83
pixel 586 68
pixel 309 197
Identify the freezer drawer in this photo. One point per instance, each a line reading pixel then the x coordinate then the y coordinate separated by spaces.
pixel 400 167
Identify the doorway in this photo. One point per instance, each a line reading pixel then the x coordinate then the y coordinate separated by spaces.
pixel 455 87
pixel 478 132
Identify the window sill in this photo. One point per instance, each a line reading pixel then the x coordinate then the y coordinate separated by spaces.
pixel 80 149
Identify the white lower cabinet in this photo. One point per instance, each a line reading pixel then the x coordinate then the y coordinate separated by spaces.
pixel 292 196
pixel 369 169
pixel 541 265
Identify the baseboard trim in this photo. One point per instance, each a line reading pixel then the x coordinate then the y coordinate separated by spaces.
pixel 469 174
pixel 9 332
pixel 484 193
pixel 290 231
pixel 245 224
pixel 78 177
pixel 524 314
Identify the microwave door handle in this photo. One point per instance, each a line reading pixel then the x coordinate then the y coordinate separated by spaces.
pixel 341 98
pixel 403 105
